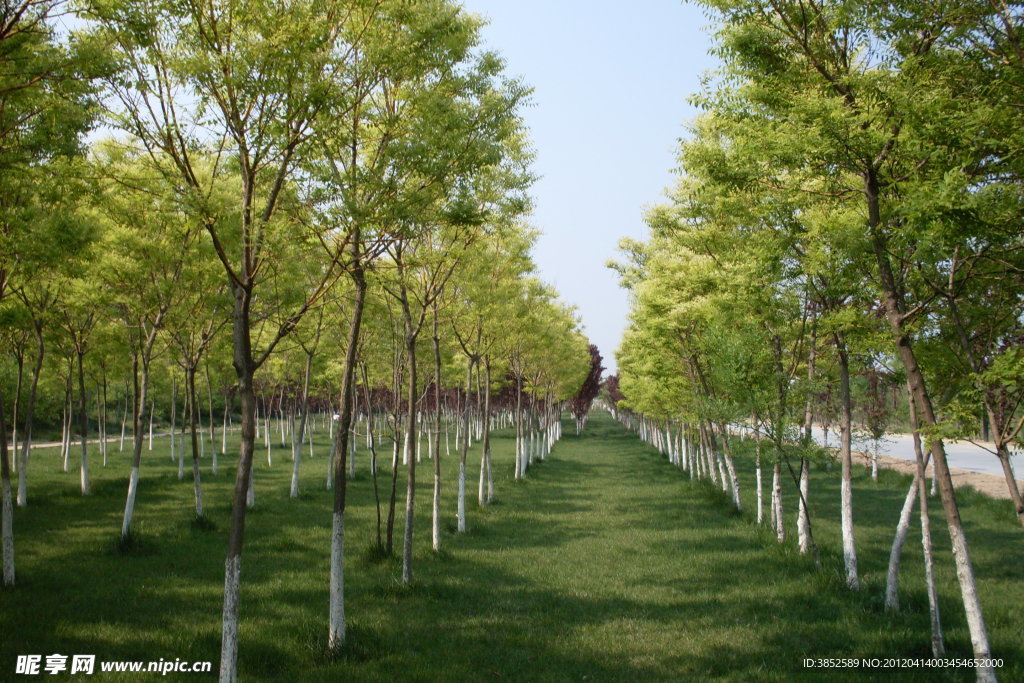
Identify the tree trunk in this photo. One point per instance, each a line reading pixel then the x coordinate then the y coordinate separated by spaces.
pixel 297 440
pixel 174 419
pixel 26 447
pixel 20 355
pixel 1003 453
pixel 67 419
pixel 371 444
pixel 891 303
pixel 410 491
pixel 245 369
pixel 486 489
pixel 734 481
pixel 436 441
pixel 846 460
pixel 83 426
pixel 6 503
pixel 802 520
pixel 190 378
pixel 124 419
pixel 140 381
pixel 396 438
pixel 209 399
pixel 464 452
pixel 337 625
pixel 103 418
pixel 903 527
pixel 520 465
pixel 777 518
pixel 938 647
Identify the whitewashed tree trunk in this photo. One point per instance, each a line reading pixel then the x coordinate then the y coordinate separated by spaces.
pixel 486 495
pixel 734 482
pixel 6 503
pixel 938 647
pixel 140 389
pixel 892 600
pixel 266 434
pixel 229 619
pixel 65 437
pixel 223 437
pixel 195 438
pixel 174 418
pixel 129 506
pixel 434 442
pixel 760 494
pixel 846 461
pixel 777 517
pixel 892 306
pixel 461 504
pixel 802 522
pixel 874 462
pixel 336 625
pixel 124 422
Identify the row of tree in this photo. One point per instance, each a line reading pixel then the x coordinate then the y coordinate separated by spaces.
pixel 316 193
pixel 850 205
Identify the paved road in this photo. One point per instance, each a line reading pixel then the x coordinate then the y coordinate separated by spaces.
pixel 960 454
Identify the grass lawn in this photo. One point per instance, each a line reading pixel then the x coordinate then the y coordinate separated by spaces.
pixel 606 564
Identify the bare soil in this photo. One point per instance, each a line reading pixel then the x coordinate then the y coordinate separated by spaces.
pixel 990 484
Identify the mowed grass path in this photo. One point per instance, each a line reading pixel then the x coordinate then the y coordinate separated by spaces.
pixel 606 564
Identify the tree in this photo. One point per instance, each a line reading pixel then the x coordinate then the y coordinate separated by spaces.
pixel 580 404
pixel 44 107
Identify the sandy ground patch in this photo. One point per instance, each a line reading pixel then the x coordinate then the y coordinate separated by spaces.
pixel 989 484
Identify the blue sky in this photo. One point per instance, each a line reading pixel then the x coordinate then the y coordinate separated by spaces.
pixel 610 85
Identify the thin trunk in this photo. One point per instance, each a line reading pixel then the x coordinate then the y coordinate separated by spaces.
pixel 520 465
pixel 760 485
pixel 20 355
pixel 337 625
pixel 373 453
pixel 244 368
pixel 464 451
pixel 892 306
pixel 83 426
pixel 124 419
pixel 396 438
pixel 803 523
pixel 777 518
pixel 67 419
pixel 1003 453
pixel 102 413
pixel 410 491
pixel 297 439
pixel 846 460
pixel 174 417
pixel 209 403
pixel 140 385
pixel 734 481
pixel 486 491
pixel 6 503
pixel 190 378
pixel 187 408
pixel 29 415
pixel 892 577
pixel 938 647
pixel 436 441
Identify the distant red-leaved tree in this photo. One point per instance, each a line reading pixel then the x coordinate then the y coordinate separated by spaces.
pixel 579 404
